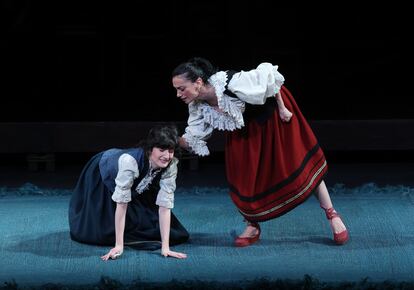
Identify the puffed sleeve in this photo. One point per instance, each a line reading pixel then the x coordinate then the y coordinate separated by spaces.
pixel 127 172
pixel 197 131
pixel 256 85
pixel 165 195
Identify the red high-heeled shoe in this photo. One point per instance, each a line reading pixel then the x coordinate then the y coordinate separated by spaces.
pixel 244 242
pixel 339 238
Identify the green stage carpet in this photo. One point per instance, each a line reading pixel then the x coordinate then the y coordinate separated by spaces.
pixel 36 250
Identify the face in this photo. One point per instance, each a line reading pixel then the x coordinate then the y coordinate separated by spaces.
pixel 187 90
pixel 160 158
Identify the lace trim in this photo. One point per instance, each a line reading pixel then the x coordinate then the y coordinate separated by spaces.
pixel 197 145
pixel 147 180
pixel 220 121
pixel 233 109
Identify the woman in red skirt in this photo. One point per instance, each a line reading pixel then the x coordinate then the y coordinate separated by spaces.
pixel 273 159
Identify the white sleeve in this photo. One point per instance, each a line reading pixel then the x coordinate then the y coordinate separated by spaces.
pixel 127 172
pixel 165 197
pixel 256 85
pixel 197 131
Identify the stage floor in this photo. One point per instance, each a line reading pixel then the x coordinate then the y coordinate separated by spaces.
pixel 375 199
pixel 36 248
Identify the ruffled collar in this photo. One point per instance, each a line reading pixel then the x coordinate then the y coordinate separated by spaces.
pixel 231 117
pixel 147 180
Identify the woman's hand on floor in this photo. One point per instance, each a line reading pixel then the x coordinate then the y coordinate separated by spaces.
pixel 169 253
pixel 113 253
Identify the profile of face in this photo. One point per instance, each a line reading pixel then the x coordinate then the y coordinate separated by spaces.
pixel 161 158
pixel 187 90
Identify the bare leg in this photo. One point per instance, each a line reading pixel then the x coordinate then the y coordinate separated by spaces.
pixel 322 195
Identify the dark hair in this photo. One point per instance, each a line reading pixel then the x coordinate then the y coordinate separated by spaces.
pixel 164 137
pixel 194 68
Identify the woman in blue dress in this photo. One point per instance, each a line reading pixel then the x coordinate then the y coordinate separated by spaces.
pixel 124 197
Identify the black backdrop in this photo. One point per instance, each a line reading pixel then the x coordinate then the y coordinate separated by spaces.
pixel 99 61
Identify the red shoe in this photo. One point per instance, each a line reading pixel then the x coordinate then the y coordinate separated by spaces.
pixel 244 242
pixel 339 238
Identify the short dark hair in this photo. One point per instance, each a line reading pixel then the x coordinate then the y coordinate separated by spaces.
pixel 164 137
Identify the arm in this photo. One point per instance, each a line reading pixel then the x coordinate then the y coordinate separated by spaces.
pixel 284 113
pixel 165 202
pixel 165 221
pixel 127 172
pixel 120 214
pixel 183 143
pixel 255 86
pixel 196 133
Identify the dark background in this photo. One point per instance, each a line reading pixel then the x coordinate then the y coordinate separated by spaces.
pixel 99 61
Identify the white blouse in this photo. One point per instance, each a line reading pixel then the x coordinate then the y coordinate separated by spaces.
pixel 128 171
pixel 252 87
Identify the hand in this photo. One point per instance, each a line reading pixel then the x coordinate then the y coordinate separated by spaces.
pixel 182 143
pixel 285 115
pixel 169 253
pixel 113 253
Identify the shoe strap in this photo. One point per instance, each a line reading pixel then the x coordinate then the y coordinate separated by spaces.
pixel 253 224
pixel 331 213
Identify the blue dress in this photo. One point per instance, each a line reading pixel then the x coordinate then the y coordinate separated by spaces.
pixel 92 210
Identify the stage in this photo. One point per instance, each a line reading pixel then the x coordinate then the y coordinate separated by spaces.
pixel 376 201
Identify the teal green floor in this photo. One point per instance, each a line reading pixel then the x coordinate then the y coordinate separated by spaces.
pixel 36 249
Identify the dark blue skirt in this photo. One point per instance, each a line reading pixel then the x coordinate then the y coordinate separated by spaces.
pixel 92 214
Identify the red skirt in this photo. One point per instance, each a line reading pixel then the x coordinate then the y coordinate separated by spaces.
pixel 273 166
